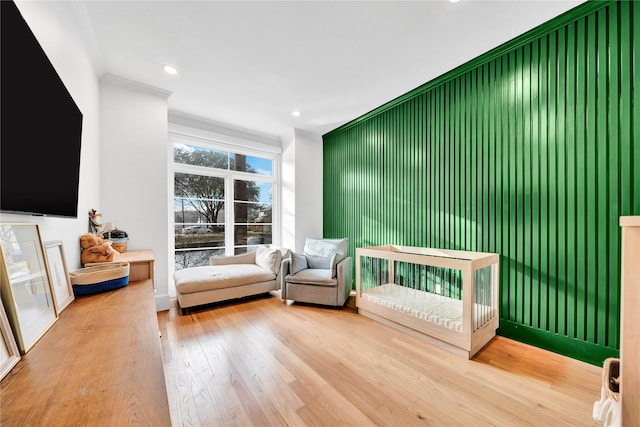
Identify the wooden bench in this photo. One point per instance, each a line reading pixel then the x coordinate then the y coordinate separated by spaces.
pixel 99 364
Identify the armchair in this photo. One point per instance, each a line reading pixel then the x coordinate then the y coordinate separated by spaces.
pixel 321 275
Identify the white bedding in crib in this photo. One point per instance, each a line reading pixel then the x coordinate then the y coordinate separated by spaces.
pixel 431 307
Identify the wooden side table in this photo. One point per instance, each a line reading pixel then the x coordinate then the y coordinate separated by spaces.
pixel 141 264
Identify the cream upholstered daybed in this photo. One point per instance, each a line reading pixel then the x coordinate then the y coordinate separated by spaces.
pixel 229 277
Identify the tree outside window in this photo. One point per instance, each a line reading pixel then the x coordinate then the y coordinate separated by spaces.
pixel 200 202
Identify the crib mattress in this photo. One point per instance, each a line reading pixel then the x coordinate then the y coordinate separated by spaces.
pixel 427 306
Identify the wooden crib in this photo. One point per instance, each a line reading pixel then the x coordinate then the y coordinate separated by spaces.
pixel 448 298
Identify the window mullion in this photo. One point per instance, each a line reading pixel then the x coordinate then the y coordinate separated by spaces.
pixel 248 176
pixel 229 228
pixel 199 170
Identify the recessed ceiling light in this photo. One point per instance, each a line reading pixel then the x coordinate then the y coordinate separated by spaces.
pixel 170 69
pixel 295 113
pixel 454 1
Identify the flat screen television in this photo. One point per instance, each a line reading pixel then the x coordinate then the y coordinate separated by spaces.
pixel 40 127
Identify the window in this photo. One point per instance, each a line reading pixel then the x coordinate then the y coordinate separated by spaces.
pixel 252 215
pixel 223 202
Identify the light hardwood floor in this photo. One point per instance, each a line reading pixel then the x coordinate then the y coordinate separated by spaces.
pixel 266 363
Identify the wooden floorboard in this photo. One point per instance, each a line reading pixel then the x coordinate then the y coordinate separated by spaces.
pixel 263 362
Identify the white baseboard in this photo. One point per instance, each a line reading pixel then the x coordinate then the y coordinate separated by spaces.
pixel 162 302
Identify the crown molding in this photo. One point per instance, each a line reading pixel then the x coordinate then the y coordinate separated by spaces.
pixel 132 84
pixel 236 132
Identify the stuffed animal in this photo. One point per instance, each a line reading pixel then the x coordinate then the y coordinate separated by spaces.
pixel 95 249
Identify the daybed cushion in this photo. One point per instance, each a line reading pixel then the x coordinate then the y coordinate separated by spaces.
pixel 247 258
pixel 313 276
pixel 268 258
pixel 197 279
pixel 284 252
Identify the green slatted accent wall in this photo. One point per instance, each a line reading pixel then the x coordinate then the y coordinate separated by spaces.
pixel 530 151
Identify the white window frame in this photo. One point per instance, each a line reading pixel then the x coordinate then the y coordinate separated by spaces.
pixel 236 146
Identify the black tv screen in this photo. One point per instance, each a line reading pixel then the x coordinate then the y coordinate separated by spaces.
pixel 40 127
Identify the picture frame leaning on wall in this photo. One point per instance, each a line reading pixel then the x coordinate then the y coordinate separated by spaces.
pixel 60 283
pixel 25 285
pixel 9 353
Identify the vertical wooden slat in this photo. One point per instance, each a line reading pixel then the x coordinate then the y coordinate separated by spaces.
pixel 590 307
pixel 534 190
pixel 561 212
pixel 486 199
pixel 468 195
pixel 515 301
pixel 635 88
pixel 476 165
pixel 532 154
pixel 572 209
pixel 457 195
pixel 626 54
pixel 552 276
pixel 526 189
pixel 613 62
pixel 580 282
pixel 492 175
pixel 498 167
pixel 544 161
pixel 453 170
pixel 601 211
pixel 442 169
pixel 505 263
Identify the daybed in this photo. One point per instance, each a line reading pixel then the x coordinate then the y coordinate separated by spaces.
pixel 229 277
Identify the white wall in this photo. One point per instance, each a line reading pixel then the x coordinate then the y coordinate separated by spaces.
pixel 56 28
pixel 301 188
pixel 308 186
pixel 134 176
pixel 288 186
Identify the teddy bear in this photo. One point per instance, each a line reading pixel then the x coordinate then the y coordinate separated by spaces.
pixel 95 249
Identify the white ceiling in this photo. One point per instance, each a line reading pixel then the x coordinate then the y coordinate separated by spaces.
pixel 250 64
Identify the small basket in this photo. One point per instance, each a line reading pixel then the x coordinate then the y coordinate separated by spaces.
pixel 120 245
pixel 100 277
